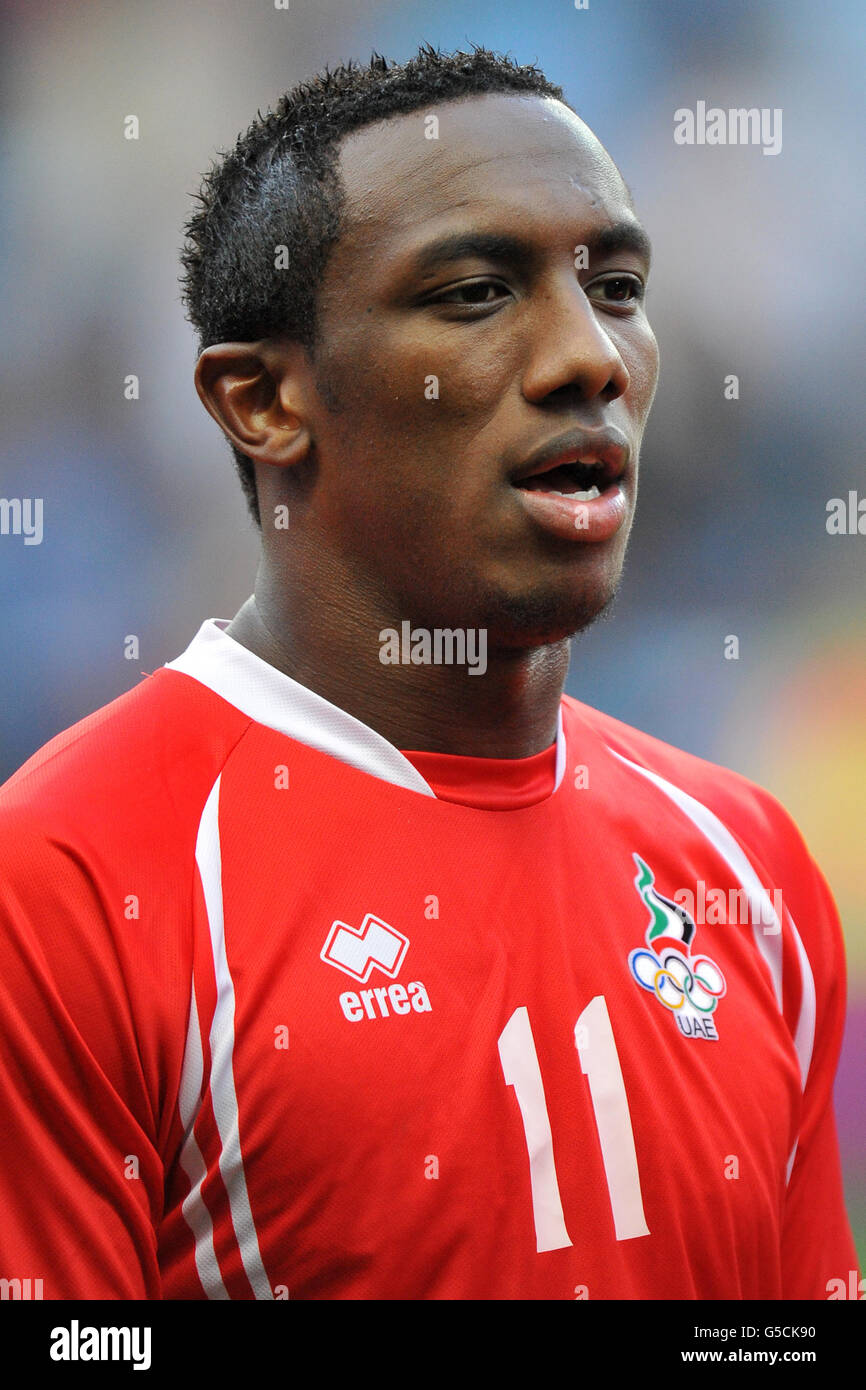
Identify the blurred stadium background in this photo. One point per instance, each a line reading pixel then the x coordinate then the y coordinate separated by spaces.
pixel 756 273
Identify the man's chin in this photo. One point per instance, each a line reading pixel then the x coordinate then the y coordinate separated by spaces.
pixel 541 619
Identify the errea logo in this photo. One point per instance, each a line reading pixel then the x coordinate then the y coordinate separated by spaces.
pixel 358 951
pixel 374 1002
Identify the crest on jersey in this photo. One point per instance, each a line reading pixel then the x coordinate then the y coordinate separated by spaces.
pixel 689 986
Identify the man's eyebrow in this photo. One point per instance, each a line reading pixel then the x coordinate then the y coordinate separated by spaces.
pixel 624 235
pixel 499 246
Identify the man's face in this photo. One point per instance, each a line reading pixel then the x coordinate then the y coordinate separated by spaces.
pixel 447 371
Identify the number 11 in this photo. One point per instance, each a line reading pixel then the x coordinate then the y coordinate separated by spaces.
pixel 600 1064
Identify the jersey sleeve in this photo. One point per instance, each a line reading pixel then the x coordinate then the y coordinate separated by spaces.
pixel 80 1174
pixel 817 1244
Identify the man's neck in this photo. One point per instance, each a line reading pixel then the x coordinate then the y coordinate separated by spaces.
pixel 509 711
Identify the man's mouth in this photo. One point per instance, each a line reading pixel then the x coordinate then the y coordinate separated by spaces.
pixel 571 487
pixel 582 481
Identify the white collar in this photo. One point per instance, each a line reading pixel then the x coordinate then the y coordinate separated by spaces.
pixel 272 698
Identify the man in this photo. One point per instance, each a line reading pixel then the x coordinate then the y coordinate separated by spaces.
pixel 345 957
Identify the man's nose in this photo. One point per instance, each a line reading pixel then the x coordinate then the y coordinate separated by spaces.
pixel 570 348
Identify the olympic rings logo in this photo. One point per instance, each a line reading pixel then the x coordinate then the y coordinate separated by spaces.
pixel 674 979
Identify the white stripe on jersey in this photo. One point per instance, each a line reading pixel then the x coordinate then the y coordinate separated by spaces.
pixel 762 912
pixel 195 1211
pixel 222 1038
pixel 561 750
pixel 804 1034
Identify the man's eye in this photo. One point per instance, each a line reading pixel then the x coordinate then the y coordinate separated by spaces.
pixel 472 293
pixel 618 289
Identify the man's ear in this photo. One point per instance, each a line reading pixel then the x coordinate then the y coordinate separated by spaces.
pixel 258 394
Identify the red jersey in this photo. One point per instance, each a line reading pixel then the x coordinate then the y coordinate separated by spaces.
pixel 287 1012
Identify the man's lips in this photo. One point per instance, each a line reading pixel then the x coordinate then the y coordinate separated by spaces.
pixel 579 517
pixel 604 449
pixel 569 486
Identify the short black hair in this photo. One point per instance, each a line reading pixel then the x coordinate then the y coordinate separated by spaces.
pixel 280 188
